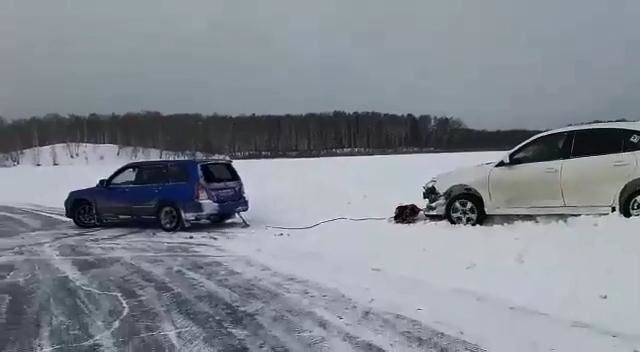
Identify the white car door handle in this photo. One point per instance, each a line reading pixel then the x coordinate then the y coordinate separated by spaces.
pixel 620 163
pixel 551 170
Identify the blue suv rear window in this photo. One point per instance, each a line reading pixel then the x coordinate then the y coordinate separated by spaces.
pixel 219 172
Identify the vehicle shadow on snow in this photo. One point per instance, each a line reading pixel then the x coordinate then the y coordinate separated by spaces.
pixel 194 227
pixel 499 220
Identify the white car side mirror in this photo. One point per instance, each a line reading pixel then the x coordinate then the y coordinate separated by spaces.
pixel 505 160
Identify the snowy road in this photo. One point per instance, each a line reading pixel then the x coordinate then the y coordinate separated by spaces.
pixel 136 290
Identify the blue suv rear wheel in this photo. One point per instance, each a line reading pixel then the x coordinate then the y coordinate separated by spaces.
pixel 169 218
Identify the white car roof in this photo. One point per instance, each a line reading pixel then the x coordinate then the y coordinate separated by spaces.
pixel 632 125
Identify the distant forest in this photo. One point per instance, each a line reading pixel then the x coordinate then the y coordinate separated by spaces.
pixel 260 136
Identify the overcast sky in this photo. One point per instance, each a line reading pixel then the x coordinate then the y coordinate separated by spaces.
pixel 493 63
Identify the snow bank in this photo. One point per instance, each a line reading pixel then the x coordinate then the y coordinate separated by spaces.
pixel 553 284
pixel 67 154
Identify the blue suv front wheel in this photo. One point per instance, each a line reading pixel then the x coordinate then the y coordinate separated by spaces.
pixel 84 214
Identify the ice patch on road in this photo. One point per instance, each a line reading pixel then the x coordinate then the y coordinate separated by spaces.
pixel 76 277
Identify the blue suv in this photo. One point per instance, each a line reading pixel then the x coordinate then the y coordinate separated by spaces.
pixel 173 193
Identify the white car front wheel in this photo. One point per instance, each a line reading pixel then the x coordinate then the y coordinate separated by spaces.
pixel 631 207
pixel 465 209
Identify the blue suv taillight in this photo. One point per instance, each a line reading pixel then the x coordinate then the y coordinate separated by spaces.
pixel 201 192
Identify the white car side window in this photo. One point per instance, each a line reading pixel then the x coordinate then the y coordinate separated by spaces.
pixel 545 148
pixel 597 141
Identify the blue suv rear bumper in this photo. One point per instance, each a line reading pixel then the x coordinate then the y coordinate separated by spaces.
pixel 202 210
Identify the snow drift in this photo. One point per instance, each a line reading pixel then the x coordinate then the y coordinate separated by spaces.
pixel 66 154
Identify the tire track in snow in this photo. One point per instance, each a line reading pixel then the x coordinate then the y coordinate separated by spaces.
pixel 167 322
pixel 223 326
pixel 284 317
pixel 14 258
pixel 49 214
pixel 328 304
pixel 298 319
pixel 29 222
pixel 335 312
pixel 68 235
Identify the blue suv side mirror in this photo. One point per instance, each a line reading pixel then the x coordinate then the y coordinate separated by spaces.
pixel 102 183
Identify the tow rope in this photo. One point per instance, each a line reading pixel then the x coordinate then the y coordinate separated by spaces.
pixel 342 218
pixel 404 214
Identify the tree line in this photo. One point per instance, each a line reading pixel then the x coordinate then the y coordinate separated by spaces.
pixel 254 136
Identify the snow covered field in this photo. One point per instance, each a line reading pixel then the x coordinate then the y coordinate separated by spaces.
pixel 552 284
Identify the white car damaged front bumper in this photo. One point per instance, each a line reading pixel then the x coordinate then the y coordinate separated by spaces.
pixel 435 201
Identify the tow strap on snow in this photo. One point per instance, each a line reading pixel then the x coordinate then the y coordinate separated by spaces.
pixel 342 218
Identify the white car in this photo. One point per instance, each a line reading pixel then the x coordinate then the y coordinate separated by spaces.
pixel 588 169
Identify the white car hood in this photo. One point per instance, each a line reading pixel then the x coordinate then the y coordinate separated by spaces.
pixel 475 176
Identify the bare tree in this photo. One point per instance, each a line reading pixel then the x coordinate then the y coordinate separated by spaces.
pixel 54 156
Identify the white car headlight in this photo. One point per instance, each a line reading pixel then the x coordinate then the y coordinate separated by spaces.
pixel 430 184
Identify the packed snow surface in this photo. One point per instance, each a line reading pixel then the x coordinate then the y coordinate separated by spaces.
pixel 562 284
